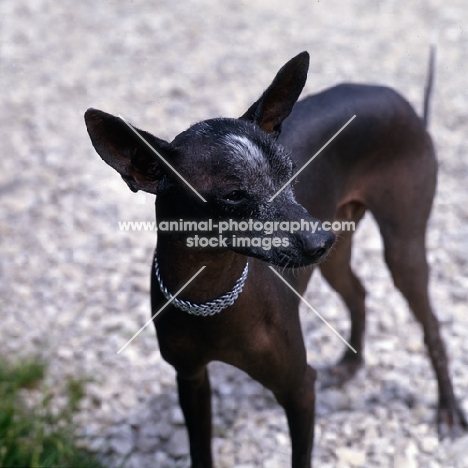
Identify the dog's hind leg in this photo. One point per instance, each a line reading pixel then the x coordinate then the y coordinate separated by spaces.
pixel 406 258
pixel 336 269
pixel 402 211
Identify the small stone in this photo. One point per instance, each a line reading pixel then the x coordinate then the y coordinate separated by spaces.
pixel 65 353
pixel 404 460
pixel 429 444
pixel 350 457
pixel 273 463
pixel 121 441
pixel 225 389
pixel 224 452
pixel 160 458
pixel 415 345
pixel 457 452
pixel 96 444
pixel 411 449
pixel 178 443
pixel 282 439
pixel 335 399
pixel 136 460
pixel 148 439
pixel 177 417
pixel 164 430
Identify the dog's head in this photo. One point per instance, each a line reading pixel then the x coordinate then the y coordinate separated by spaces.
pixel 224 170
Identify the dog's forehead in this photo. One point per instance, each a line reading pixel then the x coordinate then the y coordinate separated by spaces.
pixel 215 151
pixel 237 141
pixel 245 150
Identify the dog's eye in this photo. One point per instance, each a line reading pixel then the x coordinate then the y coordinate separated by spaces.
pixel 234 196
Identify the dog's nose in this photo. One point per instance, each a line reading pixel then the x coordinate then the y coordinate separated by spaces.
pixel 316 245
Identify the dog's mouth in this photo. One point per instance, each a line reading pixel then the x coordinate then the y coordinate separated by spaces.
pixel 290 259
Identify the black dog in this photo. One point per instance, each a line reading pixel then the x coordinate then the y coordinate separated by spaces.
pixel 237 310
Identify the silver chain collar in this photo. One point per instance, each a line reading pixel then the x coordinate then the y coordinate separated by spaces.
pixel 208 308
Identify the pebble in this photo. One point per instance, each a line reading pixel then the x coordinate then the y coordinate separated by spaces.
pixel 121 441
pixel 178 443
pixel 75 288
pixel 429 444
pixel 351 457
pixel 177 416
pixel 147 439
pixel 408 461
pixel 458 452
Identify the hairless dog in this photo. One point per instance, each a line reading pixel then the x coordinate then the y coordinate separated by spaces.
pixel 241 174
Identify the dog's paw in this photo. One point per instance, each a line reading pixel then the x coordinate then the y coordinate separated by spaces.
pixel 451 422
pixel 338 374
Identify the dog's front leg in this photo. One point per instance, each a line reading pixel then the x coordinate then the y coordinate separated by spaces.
pixel 195 401
pixel 299 404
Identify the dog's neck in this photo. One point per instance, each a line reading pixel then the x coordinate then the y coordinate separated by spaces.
pixel 178 263
pixel 207 308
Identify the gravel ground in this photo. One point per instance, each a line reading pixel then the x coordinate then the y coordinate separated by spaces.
pixel 75 288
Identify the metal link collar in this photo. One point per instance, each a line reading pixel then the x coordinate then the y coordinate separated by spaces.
pixel 208 308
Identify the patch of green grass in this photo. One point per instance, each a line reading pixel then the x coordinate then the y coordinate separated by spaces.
pixel 38 436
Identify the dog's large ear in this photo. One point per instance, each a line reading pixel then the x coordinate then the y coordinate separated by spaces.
pixel 119 147
pixel 277 101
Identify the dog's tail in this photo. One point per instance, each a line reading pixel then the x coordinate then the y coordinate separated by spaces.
pixel 429 85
